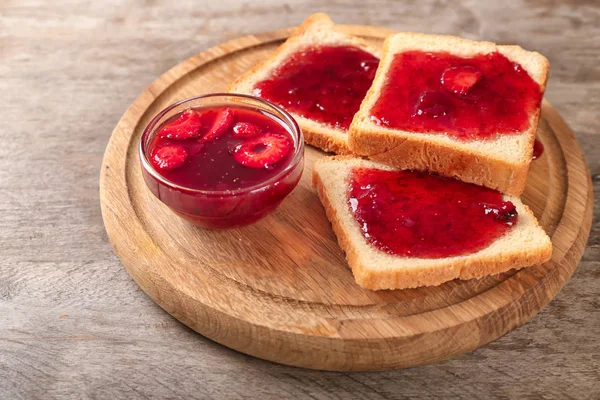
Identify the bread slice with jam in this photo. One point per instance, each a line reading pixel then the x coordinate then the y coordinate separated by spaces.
pixel 402 229
pixel 455 107
pixel 302 76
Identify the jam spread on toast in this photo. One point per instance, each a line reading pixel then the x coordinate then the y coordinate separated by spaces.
pixel 220 148
pixel 466 98
pixel 416 214
pixel 322 83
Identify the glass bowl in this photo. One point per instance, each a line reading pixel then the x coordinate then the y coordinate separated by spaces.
pixel 220 209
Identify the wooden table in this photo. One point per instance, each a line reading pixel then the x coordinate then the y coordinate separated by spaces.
pixel 73 324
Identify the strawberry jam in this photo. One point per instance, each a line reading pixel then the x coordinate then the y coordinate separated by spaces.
pixel 538 149
pixel 213 155
pixel 466 98
pixel 322 83
pixel 415 214
pixel 222 160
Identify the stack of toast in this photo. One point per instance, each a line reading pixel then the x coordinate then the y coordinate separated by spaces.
pixel 397 127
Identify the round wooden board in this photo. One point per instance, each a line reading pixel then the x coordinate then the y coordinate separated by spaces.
pixel 281 290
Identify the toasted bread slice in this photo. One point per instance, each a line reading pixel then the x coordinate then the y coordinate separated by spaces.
pixel 500 163
pixel 318 29
pixel 525 244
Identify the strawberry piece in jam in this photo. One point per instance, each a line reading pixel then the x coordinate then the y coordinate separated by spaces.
pixel 185 126
pixel 169 157
pixel 245 130
pixel 221 123
pixel 415 214
pixel 264 151
pixel 459 80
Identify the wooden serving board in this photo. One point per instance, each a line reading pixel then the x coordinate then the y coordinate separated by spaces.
pixel 281 290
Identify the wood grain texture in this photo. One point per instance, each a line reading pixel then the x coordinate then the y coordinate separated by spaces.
pixel 75 325
pixel 281 290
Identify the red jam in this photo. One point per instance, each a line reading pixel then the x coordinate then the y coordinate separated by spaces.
pixel 415 214
pixel 538 149
pixel 466 98
pixel 221 151
pixel 322 83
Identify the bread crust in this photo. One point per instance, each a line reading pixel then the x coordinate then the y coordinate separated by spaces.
pixel 310 22
pixel 328 143
pixel 463 267
pixel 447 157
pixel 417 154
pixel 317 26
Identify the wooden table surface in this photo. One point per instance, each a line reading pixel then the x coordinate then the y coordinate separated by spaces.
pixel 73 324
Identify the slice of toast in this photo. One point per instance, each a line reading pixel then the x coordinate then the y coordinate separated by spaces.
pixel 525 244
pixel 318 29
pixel 500 163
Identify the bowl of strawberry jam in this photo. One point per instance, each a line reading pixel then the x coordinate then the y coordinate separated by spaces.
pixel 222 160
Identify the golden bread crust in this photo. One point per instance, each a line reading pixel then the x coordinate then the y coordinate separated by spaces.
pixel 417 154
